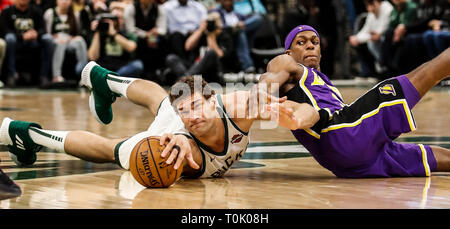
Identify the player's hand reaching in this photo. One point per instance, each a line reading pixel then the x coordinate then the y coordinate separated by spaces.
pixel 284 115
pixel 258 99
pixel 293 115
pixel 178 148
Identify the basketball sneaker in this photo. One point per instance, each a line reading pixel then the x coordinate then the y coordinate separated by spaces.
pixel 8 188
pixel 22 149
pixel 94 77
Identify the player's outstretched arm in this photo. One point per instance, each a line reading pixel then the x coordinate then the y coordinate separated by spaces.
pixel 294 115
pixel 280 70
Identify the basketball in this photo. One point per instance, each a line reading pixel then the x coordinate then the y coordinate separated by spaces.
pixel 149 168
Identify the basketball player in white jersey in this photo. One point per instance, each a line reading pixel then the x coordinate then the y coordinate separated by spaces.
pixel 207 133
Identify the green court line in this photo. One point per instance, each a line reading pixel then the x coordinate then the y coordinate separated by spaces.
pixel 11 109
pixel 257 144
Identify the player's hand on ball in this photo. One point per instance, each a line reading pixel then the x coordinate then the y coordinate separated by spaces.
pixel 179 149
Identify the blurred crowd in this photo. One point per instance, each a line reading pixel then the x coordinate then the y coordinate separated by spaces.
pixel 48 42
pixel 398 36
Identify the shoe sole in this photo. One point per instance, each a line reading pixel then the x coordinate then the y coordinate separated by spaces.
pixel 92 108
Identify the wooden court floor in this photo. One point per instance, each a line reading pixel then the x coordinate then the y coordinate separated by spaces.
pixel 275 173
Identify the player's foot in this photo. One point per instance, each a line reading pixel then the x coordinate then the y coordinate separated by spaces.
pixel 8 189
pixel 94 77
pixel 22 149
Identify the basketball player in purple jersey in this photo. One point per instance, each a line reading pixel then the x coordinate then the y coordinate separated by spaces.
pixel 356 140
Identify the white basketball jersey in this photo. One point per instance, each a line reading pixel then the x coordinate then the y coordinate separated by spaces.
pixel 216 164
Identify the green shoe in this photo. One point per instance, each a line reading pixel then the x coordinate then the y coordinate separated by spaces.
pixel 21 147
pixel 94 77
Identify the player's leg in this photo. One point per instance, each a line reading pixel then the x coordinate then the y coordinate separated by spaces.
pixel 146 93
pixel 431 73
pixel 107 85
pixel 90 147
pixel 442 156
pixel 25 139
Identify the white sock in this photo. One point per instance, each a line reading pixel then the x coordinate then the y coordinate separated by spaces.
pixel 119 84
pixel 49 138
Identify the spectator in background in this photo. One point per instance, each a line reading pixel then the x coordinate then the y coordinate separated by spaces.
pixel 3 4
pixel 85 16
pixel 63 24
pixel 413 51
pixel 253 12
pixel 401 16
pixel 112 46
pixel 94 7
pixel 184 18
pixel 218 54
pixel 249 7
pixel 25 31
pixel 437 34
pixel 235 25
pixel 147 20
pixel 368 40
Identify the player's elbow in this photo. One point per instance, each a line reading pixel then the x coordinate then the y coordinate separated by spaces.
pixel 309 116
pixel 311 119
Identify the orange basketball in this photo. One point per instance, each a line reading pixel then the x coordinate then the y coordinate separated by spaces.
pixel 149 168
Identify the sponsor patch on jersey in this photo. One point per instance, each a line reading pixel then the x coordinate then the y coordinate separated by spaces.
pixel 236 138
pixel 387 89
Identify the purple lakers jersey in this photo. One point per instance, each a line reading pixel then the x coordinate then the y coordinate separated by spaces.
pixel 317 90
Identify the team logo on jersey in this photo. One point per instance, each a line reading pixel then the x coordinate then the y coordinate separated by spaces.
pixel 387 89
pixel 236 138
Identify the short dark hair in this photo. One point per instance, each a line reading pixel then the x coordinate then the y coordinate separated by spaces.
pixel 189 82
